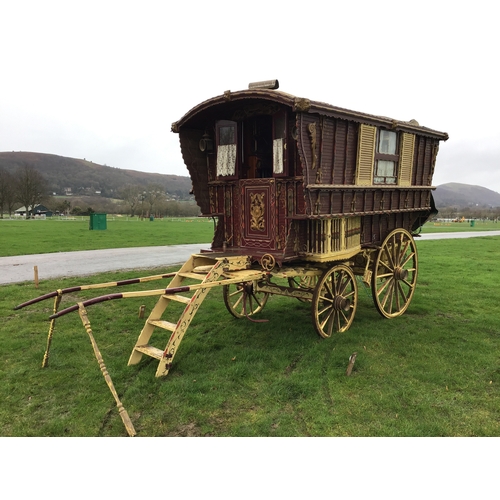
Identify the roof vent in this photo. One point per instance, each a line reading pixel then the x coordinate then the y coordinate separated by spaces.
pixel 267 84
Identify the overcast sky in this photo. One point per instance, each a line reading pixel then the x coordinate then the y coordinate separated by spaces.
pixel 104 80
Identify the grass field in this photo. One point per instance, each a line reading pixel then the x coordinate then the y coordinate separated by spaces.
pixel 26 237
pixel 450 227
pixel 434 371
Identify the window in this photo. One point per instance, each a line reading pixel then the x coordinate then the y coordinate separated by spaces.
pixel 386 158
pixel 279 145
pixel 226 147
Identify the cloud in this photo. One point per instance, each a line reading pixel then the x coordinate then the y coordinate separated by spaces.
pixel 105 80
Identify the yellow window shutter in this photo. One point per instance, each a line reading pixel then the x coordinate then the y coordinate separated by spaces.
pixel 406 159
pixel 366 155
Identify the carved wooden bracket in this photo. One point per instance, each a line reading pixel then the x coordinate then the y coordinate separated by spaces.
pixel 311 128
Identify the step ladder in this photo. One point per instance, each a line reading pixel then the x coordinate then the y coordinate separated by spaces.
pixel 204 270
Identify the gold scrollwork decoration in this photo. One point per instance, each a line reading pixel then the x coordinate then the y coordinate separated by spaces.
pixel 257 211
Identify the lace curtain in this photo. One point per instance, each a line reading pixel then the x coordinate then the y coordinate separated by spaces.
pixel 278 156
pixel 226 159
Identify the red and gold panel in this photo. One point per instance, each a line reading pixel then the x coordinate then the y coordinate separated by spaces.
pixel 258 213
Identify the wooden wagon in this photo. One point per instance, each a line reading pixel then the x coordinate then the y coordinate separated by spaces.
pixel 307 198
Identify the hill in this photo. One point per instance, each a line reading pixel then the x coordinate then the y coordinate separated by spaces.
pixel 86 178
pixel 465 195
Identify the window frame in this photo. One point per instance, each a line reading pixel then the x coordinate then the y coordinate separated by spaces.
pixel 220 124
pixel 386 157
pixel 281 118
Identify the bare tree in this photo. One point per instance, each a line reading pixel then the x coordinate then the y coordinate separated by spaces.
pixel 30 187
pixel 131 196
pixel 7 198
pixel 153 195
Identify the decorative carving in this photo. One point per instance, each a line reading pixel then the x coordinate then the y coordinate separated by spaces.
pixel 317 205
pixel 228 203
pixel 311 128
pixel 255 110
pixel 291 202
pixel 257 211
pixel 353 203
pixel 301 104
pixel 267 262
pixel 212 201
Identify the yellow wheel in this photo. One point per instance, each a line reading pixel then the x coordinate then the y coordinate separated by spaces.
pixel 303 282
pixel 395 274
pixel 242 300
pixel 334 301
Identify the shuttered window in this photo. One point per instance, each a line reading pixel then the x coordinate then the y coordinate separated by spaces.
pixel 366 155
pixel 406 159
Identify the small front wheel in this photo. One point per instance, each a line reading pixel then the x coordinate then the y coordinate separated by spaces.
pixel 242 300
pixel 334 301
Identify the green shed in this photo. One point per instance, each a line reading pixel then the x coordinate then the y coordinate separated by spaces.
pixel 97 221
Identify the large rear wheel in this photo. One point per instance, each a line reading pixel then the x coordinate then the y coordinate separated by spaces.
pixel 334 301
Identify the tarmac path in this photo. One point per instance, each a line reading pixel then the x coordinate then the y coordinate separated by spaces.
pixel 84 263
pixel 87 262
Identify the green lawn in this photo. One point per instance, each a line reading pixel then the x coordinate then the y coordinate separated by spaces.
pixel 450 227
pixel 432 372
pixel 25 237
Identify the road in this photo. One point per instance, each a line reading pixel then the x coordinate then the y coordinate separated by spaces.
pixel 88 262
pixel 466 234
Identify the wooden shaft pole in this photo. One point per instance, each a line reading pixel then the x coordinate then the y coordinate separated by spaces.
pixel 95 286
pixel 123 413
pixel 52 325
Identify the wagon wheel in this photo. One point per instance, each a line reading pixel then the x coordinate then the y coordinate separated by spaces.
pixel 334 301
pixel 395 274
pixel 242 300
pixel 303 282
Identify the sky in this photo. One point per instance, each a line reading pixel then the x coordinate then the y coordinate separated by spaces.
pixel 104 80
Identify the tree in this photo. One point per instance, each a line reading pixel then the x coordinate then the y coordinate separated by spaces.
pixel 131 196
pixel 63 207
pixel 30 187
pixel 153 195
pixel 7 197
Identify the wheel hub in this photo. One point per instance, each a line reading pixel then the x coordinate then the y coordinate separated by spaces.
pixel 400 273
pixel 341 303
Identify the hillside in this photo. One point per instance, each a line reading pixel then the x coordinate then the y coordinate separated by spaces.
pixel 86 177
pixel 465 195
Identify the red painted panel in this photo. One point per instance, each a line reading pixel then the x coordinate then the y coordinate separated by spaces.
pixel 258 214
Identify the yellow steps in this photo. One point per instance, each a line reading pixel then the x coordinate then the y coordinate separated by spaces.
pixel 208 270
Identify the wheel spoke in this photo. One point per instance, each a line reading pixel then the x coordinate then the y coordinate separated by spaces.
pixel 257 301
pixel 385 284
pixel 328 320
pixel 388 294
pixel 327 308
pixel 410 257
